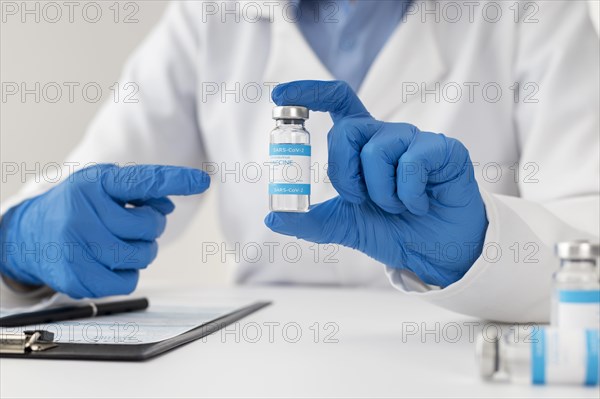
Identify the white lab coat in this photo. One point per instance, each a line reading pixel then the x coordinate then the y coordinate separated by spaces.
pixel 553 141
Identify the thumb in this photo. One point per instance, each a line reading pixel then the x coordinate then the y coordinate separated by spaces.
pixel 330 222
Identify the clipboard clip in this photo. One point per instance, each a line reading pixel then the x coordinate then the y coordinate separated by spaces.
pixel 26 341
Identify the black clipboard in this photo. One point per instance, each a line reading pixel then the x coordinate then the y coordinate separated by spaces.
pixel 123 352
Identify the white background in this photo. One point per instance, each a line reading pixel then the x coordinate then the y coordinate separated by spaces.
pixel 42 133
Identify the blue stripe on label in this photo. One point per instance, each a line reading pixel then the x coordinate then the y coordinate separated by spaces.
pixel 592 371
pixel 538 357
pixel 289 189
pixel 289 149
pixel 579 296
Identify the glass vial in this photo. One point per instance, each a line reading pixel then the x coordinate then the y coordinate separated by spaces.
pixel 576 286
pixel 541 356
pixel 289 160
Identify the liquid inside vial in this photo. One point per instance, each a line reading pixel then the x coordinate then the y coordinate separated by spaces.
pixel 289 159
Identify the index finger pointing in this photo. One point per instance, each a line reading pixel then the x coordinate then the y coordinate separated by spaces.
pixel 143 182
pixel 335 97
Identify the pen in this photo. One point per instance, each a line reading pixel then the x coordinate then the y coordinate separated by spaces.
pixel 90 309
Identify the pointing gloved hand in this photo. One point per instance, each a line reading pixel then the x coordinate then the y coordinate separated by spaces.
pixel 81 239
pixel 407 198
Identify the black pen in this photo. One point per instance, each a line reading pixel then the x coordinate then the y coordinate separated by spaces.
pixel 89 309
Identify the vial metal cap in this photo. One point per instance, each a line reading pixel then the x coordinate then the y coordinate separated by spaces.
pixel 577 250
pixel 290 112
pixel 486 351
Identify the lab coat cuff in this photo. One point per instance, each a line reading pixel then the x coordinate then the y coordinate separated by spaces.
pixel 14 294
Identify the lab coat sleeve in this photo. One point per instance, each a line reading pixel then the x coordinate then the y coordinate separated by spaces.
pixel 160 127
pixel 559 195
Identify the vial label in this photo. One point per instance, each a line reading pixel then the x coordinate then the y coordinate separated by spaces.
pixel 290 169
pixel 578 308
pixel 568 356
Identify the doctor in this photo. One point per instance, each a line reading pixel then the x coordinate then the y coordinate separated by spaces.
pixel 472 231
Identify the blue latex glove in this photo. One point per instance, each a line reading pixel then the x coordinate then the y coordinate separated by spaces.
pixel 407 198
pixel 79 238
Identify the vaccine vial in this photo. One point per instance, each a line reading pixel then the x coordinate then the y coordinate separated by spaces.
pixel 289 160
pixel 576 286
pixel 540 356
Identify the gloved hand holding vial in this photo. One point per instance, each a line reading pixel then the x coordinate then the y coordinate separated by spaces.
pixel 403 193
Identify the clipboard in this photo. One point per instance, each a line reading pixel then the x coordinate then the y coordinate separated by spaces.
pixel 39 344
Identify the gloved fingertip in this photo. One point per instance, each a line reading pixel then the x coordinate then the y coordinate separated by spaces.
pixel 125 282
pixel 201 180
pixel 168 209
pixel 286 223
pixel 153 252
pixel 276 94
pixel 163 205
pixel 273 221
pixel 286 93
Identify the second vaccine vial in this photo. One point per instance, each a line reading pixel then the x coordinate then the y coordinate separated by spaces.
pixel 576 296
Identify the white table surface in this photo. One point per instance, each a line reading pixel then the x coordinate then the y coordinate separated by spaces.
pixel 374 356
